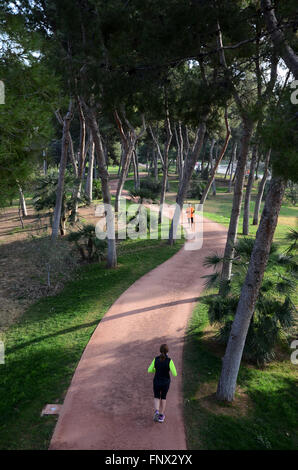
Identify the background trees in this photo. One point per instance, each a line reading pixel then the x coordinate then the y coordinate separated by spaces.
pixel 112 81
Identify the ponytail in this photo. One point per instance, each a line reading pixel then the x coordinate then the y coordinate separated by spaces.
pixel 163 352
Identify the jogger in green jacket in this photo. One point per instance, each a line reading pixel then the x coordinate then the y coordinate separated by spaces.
pixel 161 366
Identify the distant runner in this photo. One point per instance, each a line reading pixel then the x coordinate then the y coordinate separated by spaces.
pixel 161 365
pixel 190 214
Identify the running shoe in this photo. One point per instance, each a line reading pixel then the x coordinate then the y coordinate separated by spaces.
pixel 161 418
pixel 156 415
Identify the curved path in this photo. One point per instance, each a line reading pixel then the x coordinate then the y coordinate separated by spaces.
pixel 109 404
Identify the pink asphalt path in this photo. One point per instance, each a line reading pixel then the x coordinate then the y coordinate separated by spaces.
pixel 109 404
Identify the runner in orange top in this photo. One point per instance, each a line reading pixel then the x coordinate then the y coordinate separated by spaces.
pixel 190 214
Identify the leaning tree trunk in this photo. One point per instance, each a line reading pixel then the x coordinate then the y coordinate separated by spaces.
pixel 250 290
pixel 261 190
pixel 62 167
pixel 236 207
pixel 249 186
pixel 187 172
pixel 104 177
pixel 278 38
pixel 218 160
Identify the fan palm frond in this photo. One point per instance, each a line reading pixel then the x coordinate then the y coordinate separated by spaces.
pixel 212 280
pixel 292 237
pixel 212 260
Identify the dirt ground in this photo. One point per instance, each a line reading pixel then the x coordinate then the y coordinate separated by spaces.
pixel 24 258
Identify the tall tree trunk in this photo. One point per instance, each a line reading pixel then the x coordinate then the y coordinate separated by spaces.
pixel 123 175
pixel 104 177
pixel 136 170
pixel 218 160
pixel 70 146
pixel 129 141
pixel 257 167
pixel 261 189
pixel 156 152
pixel 81 160
pixel 250 290
pixel 246 210
pixel 89 184
pixel 45 163
pixel 187 172
pixel 122 158
pixel 62 167
pixel 62 227
pixel 237 200
pixel 23 202
pixel 155 165
pixel 234 153
pixel 210 161
pixel 165 166
pixel 202 163
pixel 229 166
pixel 180 150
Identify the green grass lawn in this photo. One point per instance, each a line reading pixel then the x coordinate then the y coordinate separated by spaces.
pixel 264 414
pixel 44 347
pixel 218 208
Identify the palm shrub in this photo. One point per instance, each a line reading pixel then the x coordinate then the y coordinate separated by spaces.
pixel 137 219
pixel 274 312
pixel 89 246
pixel 196 190
pixel 292 237
pixel 149 189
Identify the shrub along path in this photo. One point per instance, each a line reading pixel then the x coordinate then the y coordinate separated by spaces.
pixel 109 404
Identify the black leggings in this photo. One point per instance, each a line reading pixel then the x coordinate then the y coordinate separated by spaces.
pixel 160 389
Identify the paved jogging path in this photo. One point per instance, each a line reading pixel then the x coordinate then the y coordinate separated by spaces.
pixel 109 404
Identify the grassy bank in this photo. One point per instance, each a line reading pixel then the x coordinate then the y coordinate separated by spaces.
pixel 265 411
pixel 43 348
